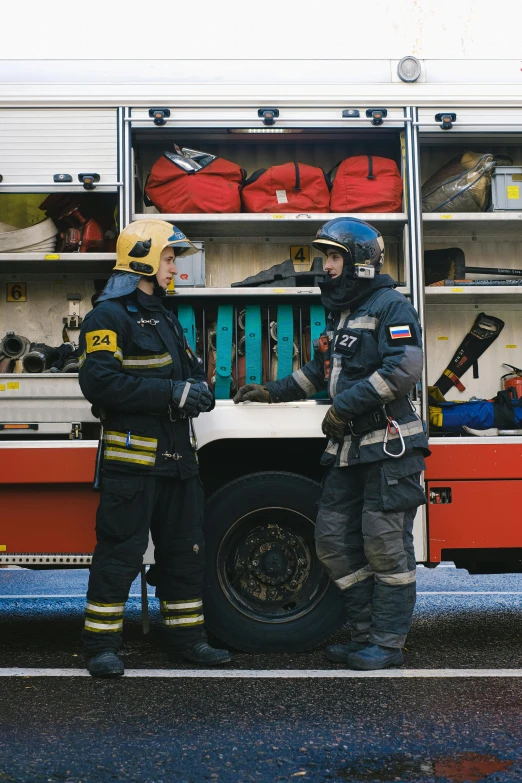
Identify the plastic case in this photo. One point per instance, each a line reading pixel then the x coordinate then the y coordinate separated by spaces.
pixel 506 188
pixel 191 269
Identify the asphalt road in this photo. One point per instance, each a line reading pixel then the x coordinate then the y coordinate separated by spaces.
pixel 264 728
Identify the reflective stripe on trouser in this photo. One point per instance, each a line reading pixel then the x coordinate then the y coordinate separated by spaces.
pixel 130 505
pixel 182 614
pixel 368 552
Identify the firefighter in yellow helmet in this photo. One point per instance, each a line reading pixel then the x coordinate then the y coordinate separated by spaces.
pixel 145 383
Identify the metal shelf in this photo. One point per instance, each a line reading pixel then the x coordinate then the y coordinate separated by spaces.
pixel 506 225
pixel 237 293
pixel 56 262
pixel 250 224
pixel 471 293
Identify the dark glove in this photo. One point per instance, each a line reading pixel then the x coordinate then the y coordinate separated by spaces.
pixel 334 426
pixel 192 398
pixel 253 392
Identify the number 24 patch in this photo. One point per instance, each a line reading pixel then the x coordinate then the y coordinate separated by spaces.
pixel 101 340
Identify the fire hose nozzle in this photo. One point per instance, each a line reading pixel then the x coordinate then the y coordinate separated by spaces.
pixel 14 345
pixel 40 358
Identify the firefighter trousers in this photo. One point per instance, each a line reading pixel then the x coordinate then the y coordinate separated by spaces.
pixel 130 506
pixel 364 540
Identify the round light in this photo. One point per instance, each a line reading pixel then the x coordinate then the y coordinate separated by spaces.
pixel 409 69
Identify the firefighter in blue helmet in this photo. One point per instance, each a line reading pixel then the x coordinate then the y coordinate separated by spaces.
pixel 145 384
pixel 371 359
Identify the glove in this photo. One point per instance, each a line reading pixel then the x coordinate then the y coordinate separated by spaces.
pixel 436 415
pixel 192 398
pixel 333 425
pixel 253 392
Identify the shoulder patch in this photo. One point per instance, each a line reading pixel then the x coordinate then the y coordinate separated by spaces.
pixel 101 340
pixel 402 334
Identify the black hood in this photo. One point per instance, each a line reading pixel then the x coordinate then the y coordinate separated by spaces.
pixel 346 293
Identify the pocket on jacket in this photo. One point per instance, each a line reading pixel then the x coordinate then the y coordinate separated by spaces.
pixel 120 512
pixel 400 483
pixel 147 341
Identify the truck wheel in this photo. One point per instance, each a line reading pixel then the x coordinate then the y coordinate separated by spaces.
pixel 265 590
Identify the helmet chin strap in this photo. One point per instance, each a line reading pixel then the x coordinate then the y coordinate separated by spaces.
pixel 158 290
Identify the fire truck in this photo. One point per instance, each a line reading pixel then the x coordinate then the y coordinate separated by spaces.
pixel 73 128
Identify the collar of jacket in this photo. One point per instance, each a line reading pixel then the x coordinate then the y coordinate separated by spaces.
pixel 148 301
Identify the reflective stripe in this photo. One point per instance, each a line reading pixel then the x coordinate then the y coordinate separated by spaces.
pixel 117 355
pixel 106 626
pixel 333 447
pixel 335 373
pixel 124 455
pixel 147 444
pixel 336 366
pixel 184 395
pixel 351 579
pixel 195 619
pixel 381 387
pixel 104 608
pixel 345 449
pixel 304 382
pixel 156 360
pixel 406 578
pixel 411 428
pixel 364 322
pixel 178 605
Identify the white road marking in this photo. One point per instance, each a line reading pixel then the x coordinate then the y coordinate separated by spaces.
pixel 469 592
pixel 301 674
pixel 62 595
pixel 419 592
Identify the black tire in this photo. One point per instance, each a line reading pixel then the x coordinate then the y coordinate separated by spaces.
pixel 265 590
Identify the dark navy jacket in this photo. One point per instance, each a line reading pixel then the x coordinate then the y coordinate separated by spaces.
pixel 131 349
pixel 376 359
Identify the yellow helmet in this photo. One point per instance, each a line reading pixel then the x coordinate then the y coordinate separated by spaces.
pixel 140 245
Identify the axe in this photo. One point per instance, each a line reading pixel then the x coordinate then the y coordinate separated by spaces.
pixel 450 264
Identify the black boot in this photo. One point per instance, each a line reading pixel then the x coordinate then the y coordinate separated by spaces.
pixel 105 664
pixel 202 653
pixel 376 657
pixel 338 653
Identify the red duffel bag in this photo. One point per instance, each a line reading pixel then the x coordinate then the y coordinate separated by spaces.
pixel 183 184
pixel 291 187
pixel 366 183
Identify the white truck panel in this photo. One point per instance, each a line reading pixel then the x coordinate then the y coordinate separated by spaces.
pixel 35 144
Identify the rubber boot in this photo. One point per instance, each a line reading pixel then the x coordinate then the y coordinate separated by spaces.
pixel 105 664
pixel 338 653
pixel 376 657
pixel 202 653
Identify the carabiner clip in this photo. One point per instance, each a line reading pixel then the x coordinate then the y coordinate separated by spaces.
pixel 392 424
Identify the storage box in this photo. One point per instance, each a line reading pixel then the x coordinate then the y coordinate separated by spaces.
pixel 506 188
pixel 191 269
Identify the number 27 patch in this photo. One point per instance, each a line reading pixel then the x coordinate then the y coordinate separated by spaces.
pixel 101 340
pixel 347 342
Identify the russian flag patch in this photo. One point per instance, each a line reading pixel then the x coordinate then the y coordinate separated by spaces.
pixel 397 332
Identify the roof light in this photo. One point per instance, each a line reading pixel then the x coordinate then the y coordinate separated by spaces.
pixel 265 130
pixel 409 69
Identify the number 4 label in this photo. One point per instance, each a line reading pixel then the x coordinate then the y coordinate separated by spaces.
pixel 300 255
pixel 16 292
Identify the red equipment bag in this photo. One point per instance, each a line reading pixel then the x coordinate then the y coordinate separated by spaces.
pixel 291 187
pixel 366 183
pixel 214 187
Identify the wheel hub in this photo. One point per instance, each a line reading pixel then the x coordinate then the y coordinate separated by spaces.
pixel 272 563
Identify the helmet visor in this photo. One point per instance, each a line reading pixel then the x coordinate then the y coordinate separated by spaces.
pixel 182 246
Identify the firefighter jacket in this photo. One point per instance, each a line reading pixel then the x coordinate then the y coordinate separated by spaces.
pixel 374 360
pixel 131 348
